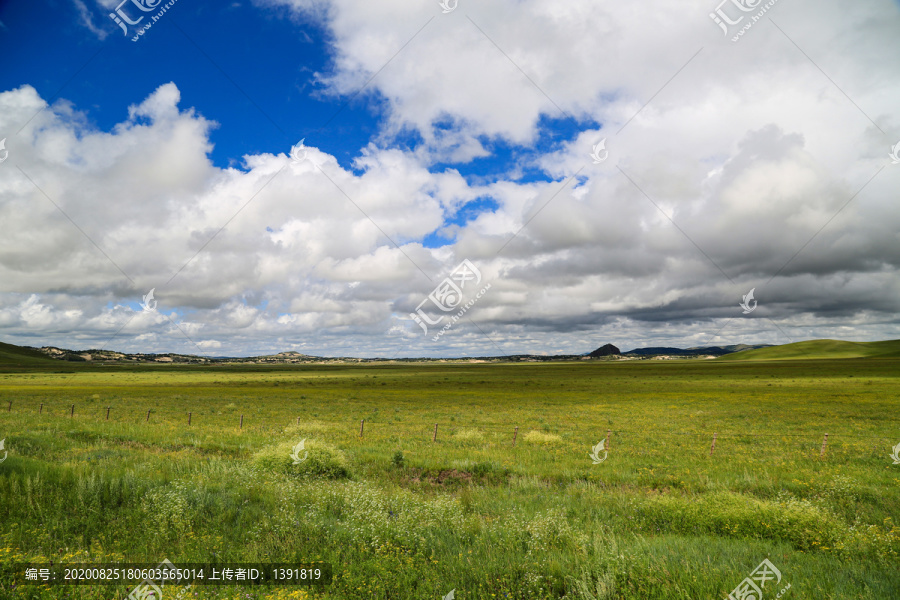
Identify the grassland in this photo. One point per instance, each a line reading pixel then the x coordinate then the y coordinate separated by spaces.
pixel 821 350
pixel 403 517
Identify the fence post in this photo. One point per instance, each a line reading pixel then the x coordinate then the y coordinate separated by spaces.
pixel 607 439
pixel 515 435
pixel 107 412
pixel 434 439
pixel 713 447
pixel 148 416
pixel 10 407
pixel 361 423
pixel 824 443
pixel 242 421
pixel 41 411
pixel 189 418
pixel 298 420
pixel 72 414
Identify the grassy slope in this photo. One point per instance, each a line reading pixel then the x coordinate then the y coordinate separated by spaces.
pixel 820 349
pixel 17 357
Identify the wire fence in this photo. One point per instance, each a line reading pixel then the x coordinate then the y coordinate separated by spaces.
pixel 439 431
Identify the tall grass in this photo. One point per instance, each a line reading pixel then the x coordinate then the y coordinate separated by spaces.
pixel 660 518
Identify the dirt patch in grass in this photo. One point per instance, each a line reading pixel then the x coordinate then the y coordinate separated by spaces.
pixel 443 478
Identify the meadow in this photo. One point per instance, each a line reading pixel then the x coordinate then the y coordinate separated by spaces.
pixel 401 516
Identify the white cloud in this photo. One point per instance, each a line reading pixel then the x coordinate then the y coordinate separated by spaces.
pixel 87 19
pixel 751 150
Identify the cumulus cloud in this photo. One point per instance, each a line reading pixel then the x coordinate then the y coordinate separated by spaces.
pixel 732 166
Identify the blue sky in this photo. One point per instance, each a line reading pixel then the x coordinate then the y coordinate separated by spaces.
pixel 261 88
pixel 432 138
pixel 259 109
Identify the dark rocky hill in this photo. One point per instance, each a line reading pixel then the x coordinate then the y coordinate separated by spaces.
pixel 606 350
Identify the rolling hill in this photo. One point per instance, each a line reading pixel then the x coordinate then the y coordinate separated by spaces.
pixel 820 349
pixel 13 358
pixel 19 356
pixel 697 351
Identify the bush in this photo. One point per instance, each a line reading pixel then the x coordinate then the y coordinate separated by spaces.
pixel 481 469
pixel 798 522
pixel 539 437
pixel 472 436
pixel 318 460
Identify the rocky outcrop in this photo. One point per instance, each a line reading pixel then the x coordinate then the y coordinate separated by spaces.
pixel 607 350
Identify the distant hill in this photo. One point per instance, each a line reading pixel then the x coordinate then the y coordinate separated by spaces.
pixel 607 350
pixel 814 349
pixel 701 351
pixel 16 358
pixel 20 356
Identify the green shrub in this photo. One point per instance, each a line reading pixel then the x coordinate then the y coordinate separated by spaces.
pixel 539 437
pixel 472 436
pixel 317 460
pixel 798 522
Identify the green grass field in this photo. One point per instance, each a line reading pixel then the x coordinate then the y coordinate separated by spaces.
pixel 821 349
pixel 402 517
